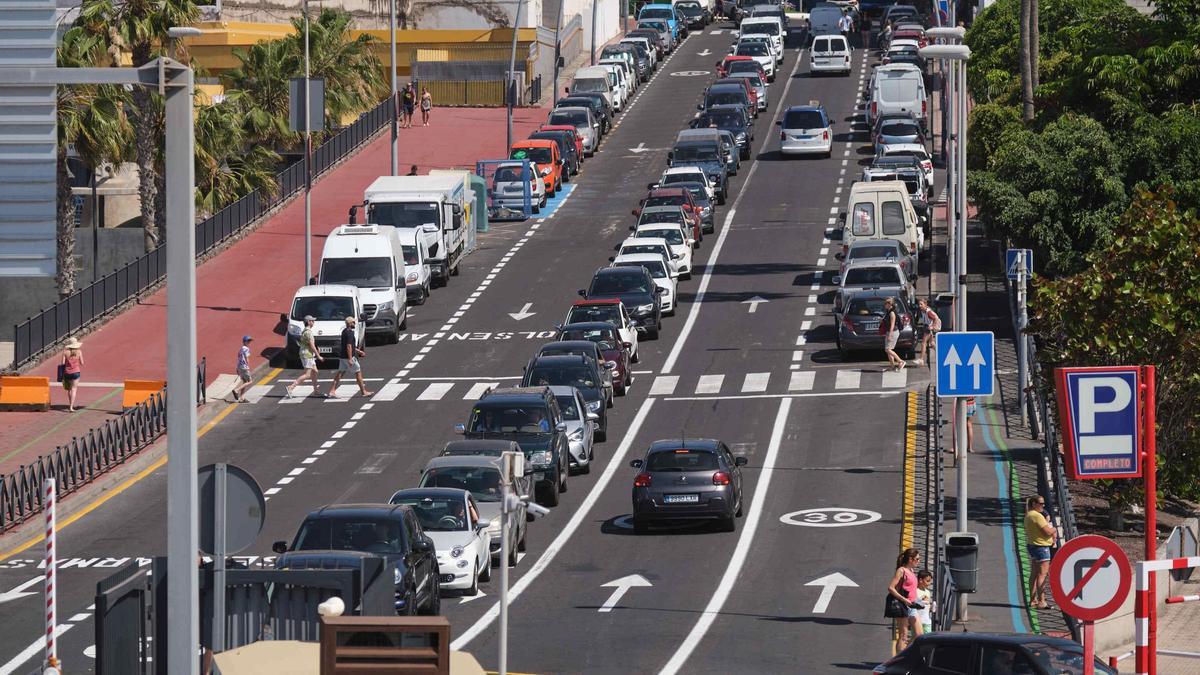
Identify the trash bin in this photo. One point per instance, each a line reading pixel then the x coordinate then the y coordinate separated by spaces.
pixel 962 558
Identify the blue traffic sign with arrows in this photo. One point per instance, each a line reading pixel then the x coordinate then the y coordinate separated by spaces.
pixel 965 363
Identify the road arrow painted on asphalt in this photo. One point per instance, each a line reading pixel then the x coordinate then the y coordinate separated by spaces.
pixel 641 147
pixel 954 362
pixel 829 583
pixel 469 598
pixel 754 303
pixel 622 585
pixel 19 592
pixel 706 52
pixel 524 313
pixel 976 361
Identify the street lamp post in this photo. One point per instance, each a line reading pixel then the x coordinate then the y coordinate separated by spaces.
pixel 949 136
pixel 395 96
pixel 307 156
pixel 510 86
pixel 957 57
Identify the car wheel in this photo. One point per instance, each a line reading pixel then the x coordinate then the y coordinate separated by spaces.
pixel 602 433
pixel 562 477
pixel 473 589
pixel 410 609
pixel 521 545
pixel 635 357
pixel 537 208
pixel 551 496
pixel 652 334
pixel 435 603
pixel 403 323
pixel 512 557
pixel 586 468
pixel 394 336
pixel 686 276
pixel 621 390
pixel 485 574
pixel 739 511
pixel 640 525
pixel 727 524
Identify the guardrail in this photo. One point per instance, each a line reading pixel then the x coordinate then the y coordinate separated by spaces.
pixel 82 460
pixel 39 333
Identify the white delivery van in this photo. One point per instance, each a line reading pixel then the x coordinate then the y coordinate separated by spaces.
pixel 898 88
pixel 370 258
pixel 881 210
pixel 417 275
pixel 436 206
pixel 594 80
pixel 329 306
pixel 829 54
pixel 766 25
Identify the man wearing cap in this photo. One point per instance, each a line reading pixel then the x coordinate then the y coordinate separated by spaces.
pixel 349 353
pixel 243 368
pixel 308 356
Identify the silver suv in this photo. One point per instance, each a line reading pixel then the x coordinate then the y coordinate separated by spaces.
pixel 876 275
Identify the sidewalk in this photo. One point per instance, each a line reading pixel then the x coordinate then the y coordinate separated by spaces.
pixel 244 289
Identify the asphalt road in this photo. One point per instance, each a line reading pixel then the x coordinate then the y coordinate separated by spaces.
pixel 763 376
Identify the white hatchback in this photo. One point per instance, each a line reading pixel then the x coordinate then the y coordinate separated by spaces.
pixel 680 242
pixel 663 276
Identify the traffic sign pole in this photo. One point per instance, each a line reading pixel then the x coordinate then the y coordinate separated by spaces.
pixel 1089 648
pixel 1022 344
pixel 1149 471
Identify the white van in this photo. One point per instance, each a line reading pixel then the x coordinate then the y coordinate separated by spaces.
pixel 594 80
pixel 881 210
pixel 620 84
pixel 418 277
pixel 329 306
pixel 766 25
pixel 370 258
pixel 829 54
pixel 898 88
pixel 630 73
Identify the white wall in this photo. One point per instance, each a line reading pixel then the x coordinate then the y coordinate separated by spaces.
pixel 608 19
pixel 421 14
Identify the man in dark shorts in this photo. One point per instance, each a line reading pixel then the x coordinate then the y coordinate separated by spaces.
pixel 349 353
pixel 409 99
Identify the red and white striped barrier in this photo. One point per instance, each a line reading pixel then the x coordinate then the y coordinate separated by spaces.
pixel 49 503
pixel 1176 599
pixel 1141 628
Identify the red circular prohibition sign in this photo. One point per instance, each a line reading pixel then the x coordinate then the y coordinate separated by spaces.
pixel 1085 566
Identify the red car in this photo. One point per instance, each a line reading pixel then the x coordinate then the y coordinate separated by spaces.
pixel 909 34
pixel 574 135
pixel 723 65
pixel 607 338
pixel 669 196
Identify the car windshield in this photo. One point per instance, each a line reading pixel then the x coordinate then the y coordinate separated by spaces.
pixel 631 249
pixel 604 339
pixel 1060 659
pixel 656 13
pixel 575 118
pixel 367 534
pixel 872 306
pixel 510 174
pixel 622 283
pixel 863 252
pixel 323 308
pixel 695 153
pixel 573 376
pixel 689 8
pixel 899 129
pixel 672 178
pixel 539 155
pixel 724 98
pixel 766 27
pixel 661 217
pixel 410 255
pixel 657 26
pixel 681 460
pixel 919 154
pixel 803 119
pixel 406 214
pixel 483 482
pixel 872 276
pixel 743 67
pixel 672 200
pixel 584 313
pixel 751 75
pixel 361 272
pixel 568 406
pixel 752 49
pixel 656 269
pixel 530 419
pixel 673 235
pixel 438 514
pixel 590 85
pixel 725 119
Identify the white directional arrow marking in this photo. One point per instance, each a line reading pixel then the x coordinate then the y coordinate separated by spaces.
pixel 641 147
pixel 621 585
pixel 524 313
pixel 754 303
pixel 469 598
pixel 19 592
pixel 975 361
pixel 829 583
pixel 706 52
pixel 954 362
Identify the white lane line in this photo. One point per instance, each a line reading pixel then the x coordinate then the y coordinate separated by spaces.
pixel 435 391
pixel 31 651
pixel 745 539
pixel 389 392
pixel 805 325
pixel 664 385
pixel 564 535
pixel 801 340
pixel 343 394
pixel 755 382
pixel 847 378
pixel 710 384
pixel 802 380
pixel 477 389
pixel 254 394
pixel 798 355
pixel 893 379
pixel 810 311
pixel 299 393
pixel 694 312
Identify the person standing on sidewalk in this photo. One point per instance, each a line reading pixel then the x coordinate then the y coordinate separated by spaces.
pixel 243 369
pixel 925 597
pixel 349 353
pixel 890 328
pixel 903 587
pixel 72 370
pixel 930 324
pixel 426 106
pixel 409 98
pixel 1039 537
pixel 308 356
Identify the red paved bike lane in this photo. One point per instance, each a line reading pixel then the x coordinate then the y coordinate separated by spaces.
pixel 244 289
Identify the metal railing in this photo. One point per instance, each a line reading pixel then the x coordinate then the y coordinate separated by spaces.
pixel 201 387
pixel 37 334
pixel 943 581
pixel 82 460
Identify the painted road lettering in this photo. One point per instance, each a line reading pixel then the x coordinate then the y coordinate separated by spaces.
pixel 830 516
pixel 504 335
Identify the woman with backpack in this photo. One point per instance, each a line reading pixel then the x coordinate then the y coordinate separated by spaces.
pixel 890 328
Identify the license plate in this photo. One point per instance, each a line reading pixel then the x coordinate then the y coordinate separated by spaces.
pixel 539 475
pixel 681 499
pixel 871 326
pixel 325 350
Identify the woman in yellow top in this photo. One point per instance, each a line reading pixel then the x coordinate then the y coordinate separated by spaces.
pixel 1039 537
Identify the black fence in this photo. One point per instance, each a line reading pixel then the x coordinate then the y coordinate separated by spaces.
pixel 82 460
pixel 935 536
pixel 37 334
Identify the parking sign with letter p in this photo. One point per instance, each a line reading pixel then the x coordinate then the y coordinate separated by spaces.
pixel 1100 410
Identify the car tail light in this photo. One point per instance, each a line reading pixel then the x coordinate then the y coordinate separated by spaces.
pixel 848 323
pixel 642 480
pixel 720 478
pixel 825 136
pixel 913 248
pixel 924 104
pixel 874 108
pixel 783 135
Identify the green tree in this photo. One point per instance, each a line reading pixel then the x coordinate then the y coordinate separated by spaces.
pixel 1137 301
pixel 353 75
pixel 227 168
pixel 262 80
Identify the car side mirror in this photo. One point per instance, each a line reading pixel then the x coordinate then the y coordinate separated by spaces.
pixel 429 228
pixel 279 547
pixel 593 417
pixel 660 290
pixel 561 426
pixel 837 280
pixel 674 274
pixel 422 546
pixel 283 316
pixel 778 123
pixel 632 324
pixel 739 461
pixel 675 256
pixel 839 256
pixel 460 428
pixel 582 293
pixel 480 527
pixel 842 218
pixel 837 235
pixel 312 281
pixel 628 345
pixel 636 463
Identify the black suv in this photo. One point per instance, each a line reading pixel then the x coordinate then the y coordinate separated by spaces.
pixel 634 287
pixel 574 370
pixel 531 417
pixel 341 535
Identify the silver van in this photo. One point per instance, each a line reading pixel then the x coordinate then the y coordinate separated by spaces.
pixel 898 88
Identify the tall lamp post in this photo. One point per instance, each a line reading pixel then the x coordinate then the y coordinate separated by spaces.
pixel 956 57
pixel 510 86
pixel 307 155
pixel 395 96
pixel 949 134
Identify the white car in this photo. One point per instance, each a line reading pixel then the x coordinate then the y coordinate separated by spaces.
pixel 652 53
pixel 766 25
pixel 911 150
pixel 664 278
pixel 653 246
pixel 759 48
pixel 805 130
pixel 508 191
pixel 612 311
pixel 463 541
pixel 620 92
pixel 681 243
pixel 688 174
pixel 417 274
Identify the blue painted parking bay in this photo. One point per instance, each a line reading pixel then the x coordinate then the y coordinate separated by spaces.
pixel 556 201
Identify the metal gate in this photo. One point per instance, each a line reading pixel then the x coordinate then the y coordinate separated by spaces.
pixel 122 622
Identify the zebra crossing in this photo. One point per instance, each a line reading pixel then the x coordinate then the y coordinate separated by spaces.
pixel 870 378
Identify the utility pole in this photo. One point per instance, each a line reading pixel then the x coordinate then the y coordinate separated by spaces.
pixel 395 95
pixel 592 55
pixel 307 156
pixel 557 51
pixel 511 87
pixel 1022 343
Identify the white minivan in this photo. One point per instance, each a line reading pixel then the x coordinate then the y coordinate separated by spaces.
pixel 766 25
pixel 370 258
pixel 898 88
pixel 829 54
pixel 881 210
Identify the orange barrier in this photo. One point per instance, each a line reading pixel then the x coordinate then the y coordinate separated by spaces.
pixel 137 391
pixel 24 393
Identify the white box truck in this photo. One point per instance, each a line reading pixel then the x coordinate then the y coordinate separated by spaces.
pixel 438 206
pixel 370 258
pixel 328 306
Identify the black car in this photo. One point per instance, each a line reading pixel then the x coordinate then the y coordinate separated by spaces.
pixel 576 371
pixel 726 94
pixel 529 416
pixel 589 349
pixel 595 101
pixel 733 119
pixel 696 16
pixel 566 150
pixel 1000 653
pixel 341 535
pixel 688 479
pixel 636 289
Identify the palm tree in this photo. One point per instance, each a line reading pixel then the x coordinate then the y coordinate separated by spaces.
pixel 140 26
pixel 226 169
pixel 262 94
pixel 353 75
pixel 91 119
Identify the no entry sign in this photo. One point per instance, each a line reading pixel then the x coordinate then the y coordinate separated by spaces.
pixel 1090 577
